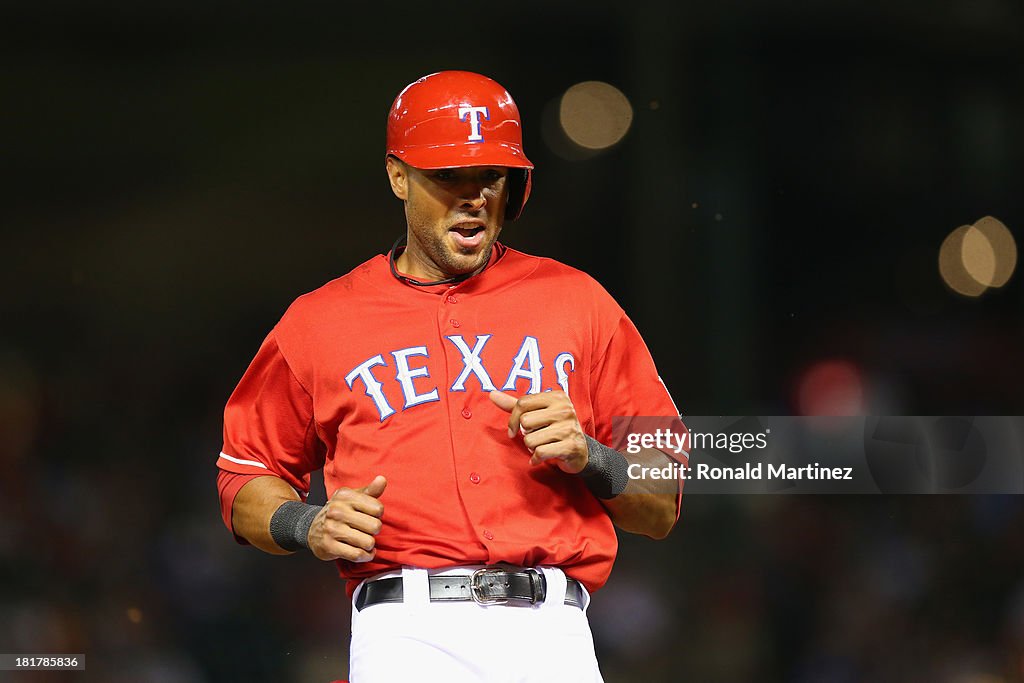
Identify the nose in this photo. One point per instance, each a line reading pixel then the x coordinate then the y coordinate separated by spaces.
pixel 472 197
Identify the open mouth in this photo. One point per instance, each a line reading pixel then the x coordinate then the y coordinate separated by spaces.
pixel 467 236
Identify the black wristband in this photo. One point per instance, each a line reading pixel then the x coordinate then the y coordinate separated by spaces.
pixel 289 527
pixel 606 473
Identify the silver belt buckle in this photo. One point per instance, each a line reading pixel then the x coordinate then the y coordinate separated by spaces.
pixel 476 587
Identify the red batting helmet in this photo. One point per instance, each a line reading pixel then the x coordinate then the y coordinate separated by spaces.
pixel 454 119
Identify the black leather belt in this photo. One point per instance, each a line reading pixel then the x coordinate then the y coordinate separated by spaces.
pixel 484 586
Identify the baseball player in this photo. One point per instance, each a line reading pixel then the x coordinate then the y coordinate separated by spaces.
pixel 460 397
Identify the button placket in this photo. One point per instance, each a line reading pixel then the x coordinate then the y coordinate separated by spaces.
pixel 474 477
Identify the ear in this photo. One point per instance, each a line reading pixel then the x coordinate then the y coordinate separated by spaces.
pixel 398 175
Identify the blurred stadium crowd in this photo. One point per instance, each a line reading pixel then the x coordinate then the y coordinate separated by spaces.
pixel 771 218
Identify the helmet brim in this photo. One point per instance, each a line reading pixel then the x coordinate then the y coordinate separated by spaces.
pixel 464 155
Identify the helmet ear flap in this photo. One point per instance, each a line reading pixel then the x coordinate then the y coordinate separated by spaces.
pixel 519 182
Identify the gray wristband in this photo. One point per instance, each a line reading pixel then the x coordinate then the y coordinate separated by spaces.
pixel 606 473
pixel 289 527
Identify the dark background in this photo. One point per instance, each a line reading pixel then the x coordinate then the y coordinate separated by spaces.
pixel 174 174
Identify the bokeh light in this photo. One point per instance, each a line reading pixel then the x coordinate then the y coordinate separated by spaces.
pixel 594 114
pixel 831 387
pixel 1001 246
pixel 952 266
pixel 974 258
pixel 978 257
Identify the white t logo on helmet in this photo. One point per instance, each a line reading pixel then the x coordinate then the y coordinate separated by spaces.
pixel 474 121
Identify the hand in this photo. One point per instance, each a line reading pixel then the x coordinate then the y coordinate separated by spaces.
pixel 345 527
pixel 550 428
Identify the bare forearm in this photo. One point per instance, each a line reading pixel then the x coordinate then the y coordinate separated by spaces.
pixel 645 506
pixel 254 505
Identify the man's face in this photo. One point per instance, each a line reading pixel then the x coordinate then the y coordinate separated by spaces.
pixel 454 216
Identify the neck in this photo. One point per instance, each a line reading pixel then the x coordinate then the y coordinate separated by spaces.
pixel 403 263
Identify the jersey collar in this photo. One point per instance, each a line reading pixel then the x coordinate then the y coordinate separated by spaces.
pixel 437 285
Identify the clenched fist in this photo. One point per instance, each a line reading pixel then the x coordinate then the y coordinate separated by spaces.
pixel 550 428
pixel 346 526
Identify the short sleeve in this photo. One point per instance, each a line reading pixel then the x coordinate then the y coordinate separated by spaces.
pixel 228 486
pixel 627 387
pixel 626 382
pixel 269 428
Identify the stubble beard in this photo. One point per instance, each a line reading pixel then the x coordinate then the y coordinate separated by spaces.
pixel 448 259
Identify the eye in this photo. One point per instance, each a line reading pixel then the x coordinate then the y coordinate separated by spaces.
pixel 445 175
pixel 491 176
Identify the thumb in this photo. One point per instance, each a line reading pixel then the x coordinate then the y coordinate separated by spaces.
pixel 504 401
pixel 375 487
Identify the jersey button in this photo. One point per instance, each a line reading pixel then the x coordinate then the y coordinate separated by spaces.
pixel 474 477
pixel 452 299
pixel 455 323
pixel 467 413
pixel 488 535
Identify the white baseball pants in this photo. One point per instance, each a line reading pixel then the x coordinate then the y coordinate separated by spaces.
pixel 465 642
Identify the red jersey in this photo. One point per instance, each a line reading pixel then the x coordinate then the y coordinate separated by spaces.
pixel 370 375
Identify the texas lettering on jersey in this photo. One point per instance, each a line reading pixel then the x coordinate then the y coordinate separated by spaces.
pixel 526 365
pixel 370 376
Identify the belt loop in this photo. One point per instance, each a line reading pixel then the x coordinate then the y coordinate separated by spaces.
pixel 415 588
pixel 355 596
pixel 586 598
pixel 556 588
pixel 538 585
